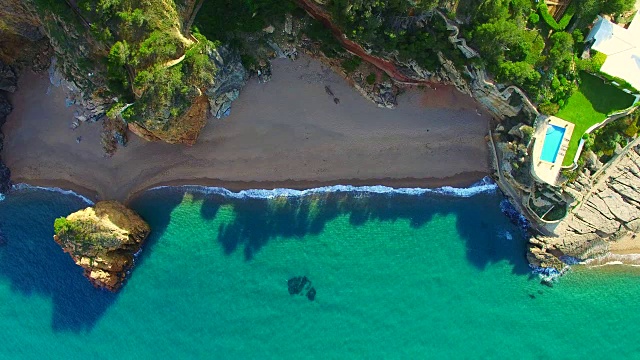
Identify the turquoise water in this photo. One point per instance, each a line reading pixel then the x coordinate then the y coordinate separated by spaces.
pixel 552 142
pixel 397 276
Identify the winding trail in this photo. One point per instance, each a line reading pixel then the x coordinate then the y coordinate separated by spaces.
pixel 387 66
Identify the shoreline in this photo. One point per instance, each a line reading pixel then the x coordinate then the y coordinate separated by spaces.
pixel 463 180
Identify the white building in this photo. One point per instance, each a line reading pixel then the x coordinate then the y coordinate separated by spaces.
pixel 622 47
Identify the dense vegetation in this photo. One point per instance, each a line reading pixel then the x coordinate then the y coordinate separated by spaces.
pixel 144 50
pixel 226 19
pixel 62 225
pixel 604 141
pixel 395 27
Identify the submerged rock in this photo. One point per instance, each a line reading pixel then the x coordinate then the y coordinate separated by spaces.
pixel 297 284
pixel 301 285
pixel 103 240
pixel 311 295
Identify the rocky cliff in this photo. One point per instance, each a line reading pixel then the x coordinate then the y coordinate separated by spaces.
pixel 8 83
pixel 607 211
pixel 103 240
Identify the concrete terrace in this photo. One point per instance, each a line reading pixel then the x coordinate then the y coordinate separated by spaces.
pixel 543 170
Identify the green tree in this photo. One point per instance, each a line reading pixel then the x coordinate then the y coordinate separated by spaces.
pixel 617 6
pixel 561 48
pixel 520 73
pixel 371 78
pixel 494 38
pixel 119 53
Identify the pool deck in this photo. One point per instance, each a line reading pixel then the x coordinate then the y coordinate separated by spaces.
pixel 543 170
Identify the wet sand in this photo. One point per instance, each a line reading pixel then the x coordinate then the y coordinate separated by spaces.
pixel 285 133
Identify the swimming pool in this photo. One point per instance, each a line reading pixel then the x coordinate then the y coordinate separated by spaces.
pixel 552 142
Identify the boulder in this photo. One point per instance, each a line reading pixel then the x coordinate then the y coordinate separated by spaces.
pixel 517 131
pixel 103 240
pixel 592 161
pixel 269 29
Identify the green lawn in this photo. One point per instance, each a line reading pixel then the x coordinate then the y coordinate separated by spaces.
pixel 590 105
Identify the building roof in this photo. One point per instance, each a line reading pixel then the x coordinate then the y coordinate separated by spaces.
pixel 622 47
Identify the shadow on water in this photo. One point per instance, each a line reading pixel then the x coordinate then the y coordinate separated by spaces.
pixel 36 266
pixel 480 222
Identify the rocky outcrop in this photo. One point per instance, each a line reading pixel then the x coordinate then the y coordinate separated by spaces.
pixel 607 209
pixel 103 240
pixel 230 78
pixel 8 82
pixel 79 66
pixel 8 79
pixel 5 178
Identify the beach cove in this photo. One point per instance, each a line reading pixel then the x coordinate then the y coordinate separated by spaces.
pixel 286 133
pixel 399 272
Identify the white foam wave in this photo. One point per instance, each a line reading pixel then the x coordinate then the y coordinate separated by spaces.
pixel 23 186
pixel 1 197
pixel 614 259
pixel 484 186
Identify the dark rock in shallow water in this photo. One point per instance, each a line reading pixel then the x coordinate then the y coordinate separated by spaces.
pixel 297 284
pixel 311 295
pixel 301 285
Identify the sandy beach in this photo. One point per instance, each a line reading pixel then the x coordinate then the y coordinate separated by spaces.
pixel 628 245
pixel 285 133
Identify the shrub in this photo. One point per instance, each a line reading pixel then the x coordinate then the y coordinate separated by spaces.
pixel 527 131
pixel 62 225
pixel 559 25
pixel 593 64
pixel 350 65
pixel 371 79
pixel 534 18
pixel 549 108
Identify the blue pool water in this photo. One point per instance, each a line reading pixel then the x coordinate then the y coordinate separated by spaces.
pixel 552 142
